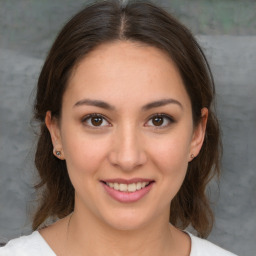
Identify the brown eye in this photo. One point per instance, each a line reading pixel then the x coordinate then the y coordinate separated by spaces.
pixel 96 121
pixel 157 120
pixel 160 121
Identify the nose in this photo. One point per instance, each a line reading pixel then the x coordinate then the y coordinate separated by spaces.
pixel 127 150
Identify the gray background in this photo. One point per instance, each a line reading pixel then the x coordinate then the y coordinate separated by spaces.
pixel 227 32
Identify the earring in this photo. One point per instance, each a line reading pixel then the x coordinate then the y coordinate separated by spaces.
pixel 192 156
pixel 58 153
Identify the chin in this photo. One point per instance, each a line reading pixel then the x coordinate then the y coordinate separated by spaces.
pixel 126 221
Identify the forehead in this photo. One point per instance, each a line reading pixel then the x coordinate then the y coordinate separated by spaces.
pixel 126 71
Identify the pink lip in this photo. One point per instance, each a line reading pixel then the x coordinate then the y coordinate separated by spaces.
pixel 127 197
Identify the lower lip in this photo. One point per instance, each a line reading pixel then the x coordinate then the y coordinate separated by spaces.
pixel 127 197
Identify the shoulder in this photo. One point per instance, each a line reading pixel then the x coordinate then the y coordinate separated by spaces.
pixel 29 245
pixel 202 247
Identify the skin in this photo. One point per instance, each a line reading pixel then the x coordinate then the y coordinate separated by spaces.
pixel 128 76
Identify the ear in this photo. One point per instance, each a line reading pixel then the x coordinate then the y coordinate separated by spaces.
pixel 53 127
pixel 198 135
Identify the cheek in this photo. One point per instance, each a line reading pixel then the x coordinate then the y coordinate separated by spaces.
pixel 84 154
pixel 169 156
pixel 84 159
pixel 171 152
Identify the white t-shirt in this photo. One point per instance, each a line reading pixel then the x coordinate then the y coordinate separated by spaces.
pixel 35 245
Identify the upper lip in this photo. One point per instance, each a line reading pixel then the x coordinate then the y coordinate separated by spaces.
pixel 127 181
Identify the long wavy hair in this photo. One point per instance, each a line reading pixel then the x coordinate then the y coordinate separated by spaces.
pixel 147 23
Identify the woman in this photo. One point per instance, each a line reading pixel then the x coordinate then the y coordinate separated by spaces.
pixel 129 139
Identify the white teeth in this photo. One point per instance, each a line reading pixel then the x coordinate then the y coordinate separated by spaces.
pixel 116 186
pixel 127 187
pixel 138 186
pixel 123 187
pixel 132 187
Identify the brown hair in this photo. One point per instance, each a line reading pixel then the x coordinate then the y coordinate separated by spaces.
pixel 141 22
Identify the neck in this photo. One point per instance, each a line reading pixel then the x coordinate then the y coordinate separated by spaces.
pixel 88 234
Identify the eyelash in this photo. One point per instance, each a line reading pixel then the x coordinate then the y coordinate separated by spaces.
pixel 90 116
pixel 169 119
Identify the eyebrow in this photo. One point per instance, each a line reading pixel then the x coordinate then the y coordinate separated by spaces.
pixel 96 103
pixel 105 105
pixel 160 103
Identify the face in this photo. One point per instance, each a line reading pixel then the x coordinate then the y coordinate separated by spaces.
pixel 126 133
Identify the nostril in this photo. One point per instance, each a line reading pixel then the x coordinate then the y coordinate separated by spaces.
pixel 127 162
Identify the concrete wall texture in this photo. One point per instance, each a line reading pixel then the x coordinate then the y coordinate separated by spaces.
pixel 226 30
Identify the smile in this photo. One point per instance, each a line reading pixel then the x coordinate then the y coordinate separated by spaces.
pixel 128 187
pixel 127 191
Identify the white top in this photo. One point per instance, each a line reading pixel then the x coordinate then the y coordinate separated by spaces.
pixel 34 244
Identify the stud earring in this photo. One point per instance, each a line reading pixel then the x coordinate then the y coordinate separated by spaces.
pixel 58 153
pixel 192 156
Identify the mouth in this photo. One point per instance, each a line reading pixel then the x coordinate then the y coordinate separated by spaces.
pixel 127 191
pixel 128 188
